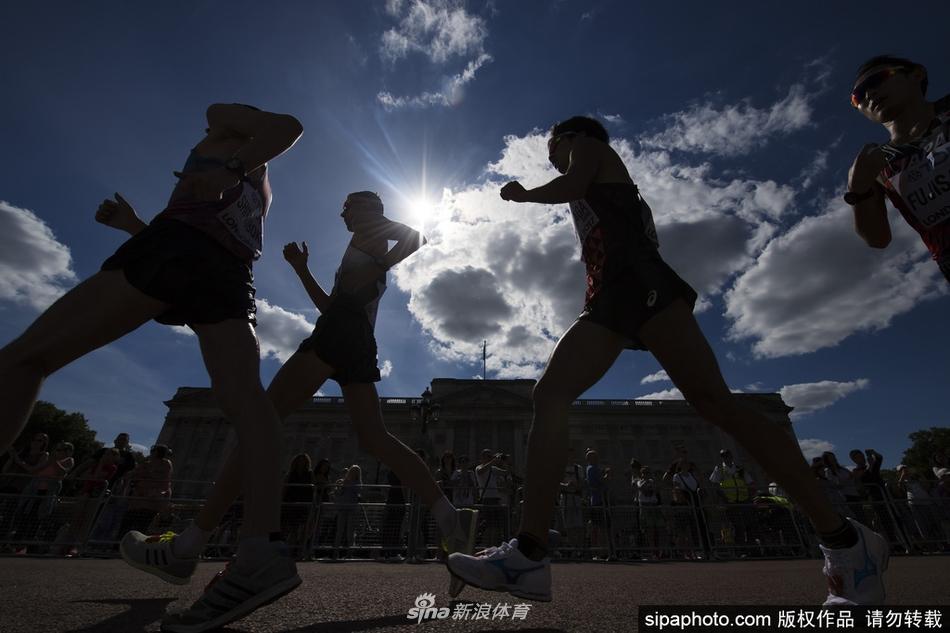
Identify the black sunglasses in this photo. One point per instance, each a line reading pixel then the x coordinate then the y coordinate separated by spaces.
pixel 553 143
pixel 860 92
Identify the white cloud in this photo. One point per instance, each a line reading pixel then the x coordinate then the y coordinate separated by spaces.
pixel 732 130
pixel 809 397
pixel 280 331
pixel 451 93
pixel 660 376
pixel 35 268
pixel 819 283
pixel 613 119
pixel 818 165
pixel 672 394
pixel 667 394
pixel 386 369
pixel 439 29
pixel 812 448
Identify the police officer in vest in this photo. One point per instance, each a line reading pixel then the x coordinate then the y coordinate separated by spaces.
pixel 735 490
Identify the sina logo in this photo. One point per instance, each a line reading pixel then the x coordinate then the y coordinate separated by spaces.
pixel 425 609
pixel 651 299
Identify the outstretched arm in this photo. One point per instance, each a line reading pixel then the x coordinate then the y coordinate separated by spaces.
pixel 585 160
pixel 297 259
pixel 271 134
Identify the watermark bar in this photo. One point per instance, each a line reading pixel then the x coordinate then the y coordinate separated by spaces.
pixel 730 619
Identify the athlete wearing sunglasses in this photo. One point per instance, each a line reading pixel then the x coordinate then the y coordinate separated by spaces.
pixel 912 169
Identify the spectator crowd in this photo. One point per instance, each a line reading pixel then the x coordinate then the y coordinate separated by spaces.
pixel 49 504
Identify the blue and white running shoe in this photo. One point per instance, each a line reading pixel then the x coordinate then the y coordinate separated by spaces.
pixel 856 574
pixel 505 568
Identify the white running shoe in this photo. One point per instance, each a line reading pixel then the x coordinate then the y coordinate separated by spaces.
pixel 505 568
pixel 154 554
pixel 233 594
pixel 856 574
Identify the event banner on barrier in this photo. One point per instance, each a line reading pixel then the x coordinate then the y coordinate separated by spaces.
pixel 742 619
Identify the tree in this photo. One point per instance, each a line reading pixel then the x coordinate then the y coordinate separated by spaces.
pixel 61 427
pixel 926 443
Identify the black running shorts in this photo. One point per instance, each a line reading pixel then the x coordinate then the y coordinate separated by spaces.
pixel 186 268
pixel 634 295
pixel 343 339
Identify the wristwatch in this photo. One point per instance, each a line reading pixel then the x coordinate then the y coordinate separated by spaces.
pixel 853 198
pixel 235 166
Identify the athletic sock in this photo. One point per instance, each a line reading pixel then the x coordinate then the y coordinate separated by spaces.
pixel 445 515
pixel 531 547
pixel 842 538
pixel 190 543
pixel 255 551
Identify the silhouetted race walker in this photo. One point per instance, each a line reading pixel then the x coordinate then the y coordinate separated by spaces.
pixel 634 300
pixel 191 265
pixel 342 348
pixel 913 167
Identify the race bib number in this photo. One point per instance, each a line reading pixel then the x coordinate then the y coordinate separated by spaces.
pixel 584 219
pixel 924 184
pixel 244 219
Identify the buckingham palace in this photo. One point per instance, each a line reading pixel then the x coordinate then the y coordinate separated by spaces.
pixel 466 416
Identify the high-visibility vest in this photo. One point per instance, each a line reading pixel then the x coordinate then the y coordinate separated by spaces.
pixel 785 502
pixel 734 488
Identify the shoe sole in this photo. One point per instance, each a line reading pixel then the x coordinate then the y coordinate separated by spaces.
pixel 515 591
pixel 250 605
pixel 456 584
pixel 155 571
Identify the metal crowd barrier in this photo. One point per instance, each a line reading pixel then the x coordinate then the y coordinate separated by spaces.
pixel 922 517
pixel 39 518
pixel 53 517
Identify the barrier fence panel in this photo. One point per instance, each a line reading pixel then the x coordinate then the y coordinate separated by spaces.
pixel 877 511
pixel 39 519
pixel 653 532
pixel 922 515
pixel 56 517
pixel 754 530
pixel 494 525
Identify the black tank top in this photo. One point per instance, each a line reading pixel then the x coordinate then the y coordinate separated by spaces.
pixel 615 228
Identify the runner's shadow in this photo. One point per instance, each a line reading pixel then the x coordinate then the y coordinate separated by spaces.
pixel 346 626
pixel 141 614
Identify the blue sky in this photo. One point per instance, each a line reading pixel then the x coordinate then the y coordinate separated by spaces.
pixel 736 124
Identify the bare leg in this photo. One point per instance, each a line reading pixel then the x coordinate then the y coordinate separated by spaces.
pixel 581 358
pixel 296 381
pixel 98 311
pixel 362 401
pixel 232 357
pixel 674 338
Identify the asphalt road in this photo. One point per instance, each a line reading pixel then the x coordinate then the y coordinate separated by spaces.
pixel 55 595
